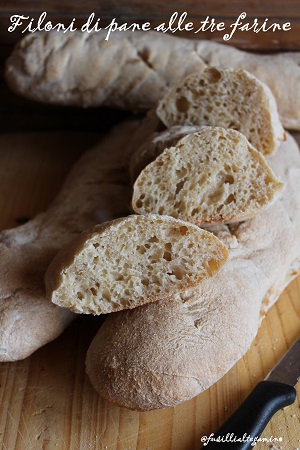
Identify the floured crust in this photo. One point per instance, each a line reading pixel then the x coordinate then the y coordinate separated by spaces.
pixel 136 362
pixel 80 69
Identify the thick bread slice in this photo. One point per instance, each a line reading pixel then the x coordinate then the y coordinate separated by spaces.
pixel 164 353
pixel 227 98
pixel 130 262
pixel 80 69
pixel 154 146
pixel 209 176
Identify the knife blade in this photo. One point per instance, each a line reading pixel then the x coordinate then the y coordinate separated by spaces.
pixel 245 426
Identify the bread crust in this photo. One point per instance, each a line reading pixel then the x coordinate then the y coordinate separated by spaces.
pixel 137 363
pixel 80 69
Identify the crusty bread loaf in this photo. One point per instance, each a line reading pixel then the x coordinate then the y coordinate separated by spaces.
pixel 164 353
pixel 130 262
pixel 209 176
pixel 97 189
pixel 80 69
pixel 227 98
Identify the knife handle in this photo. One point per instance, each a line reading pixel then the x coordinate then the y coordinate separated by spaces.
pixel 252 416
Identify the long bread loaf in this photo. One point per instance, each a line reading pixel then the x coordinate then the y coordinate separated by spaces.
pixel 164 353
pixel 96 190
pixel 81 69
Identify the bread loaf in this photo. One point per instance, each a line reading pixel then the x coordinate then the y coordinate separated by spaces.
pixel 130 262
pixel 80 69
pixel 209 176
pixel 164 353
pixel 227 98
pixel 95 191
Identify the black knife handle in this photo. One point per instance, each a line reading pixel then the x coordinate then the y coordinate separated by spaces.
pixel 252 416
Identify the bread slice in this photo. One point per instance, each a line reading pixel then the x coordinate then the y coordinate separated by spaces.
pixel 227 98
pixel 132 261
pixel 153 146
pixel 209 176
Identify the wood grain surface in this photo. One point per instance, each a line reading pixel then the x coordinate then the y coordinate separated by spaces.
pixel 47 401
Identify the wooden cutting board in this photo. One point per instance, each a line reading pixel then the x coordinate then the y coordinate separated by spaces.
pixel 47 401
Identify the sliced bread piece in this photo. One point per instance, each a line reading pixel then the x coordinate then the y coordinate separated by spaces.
pixel 209 176
pixel 227 98
pixel 154 146
pixel 132 261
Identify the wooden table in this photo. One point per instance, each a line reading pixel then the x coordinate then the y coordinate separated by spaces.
pixel 47 401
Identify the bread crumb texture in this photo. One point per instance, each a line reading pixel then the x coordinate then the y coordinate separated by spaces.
pixel 209 176
pixel 132 261
pixel 152 147
pixel 227 98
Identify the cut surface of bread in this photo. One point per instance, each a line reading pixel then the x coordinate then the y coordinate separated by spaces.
pixel 131 261
pixel 154 146
pixel 227 98
pixel 209 176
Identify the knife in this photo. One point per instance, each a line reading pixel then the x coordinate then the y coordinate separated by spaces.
pixel 247 423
